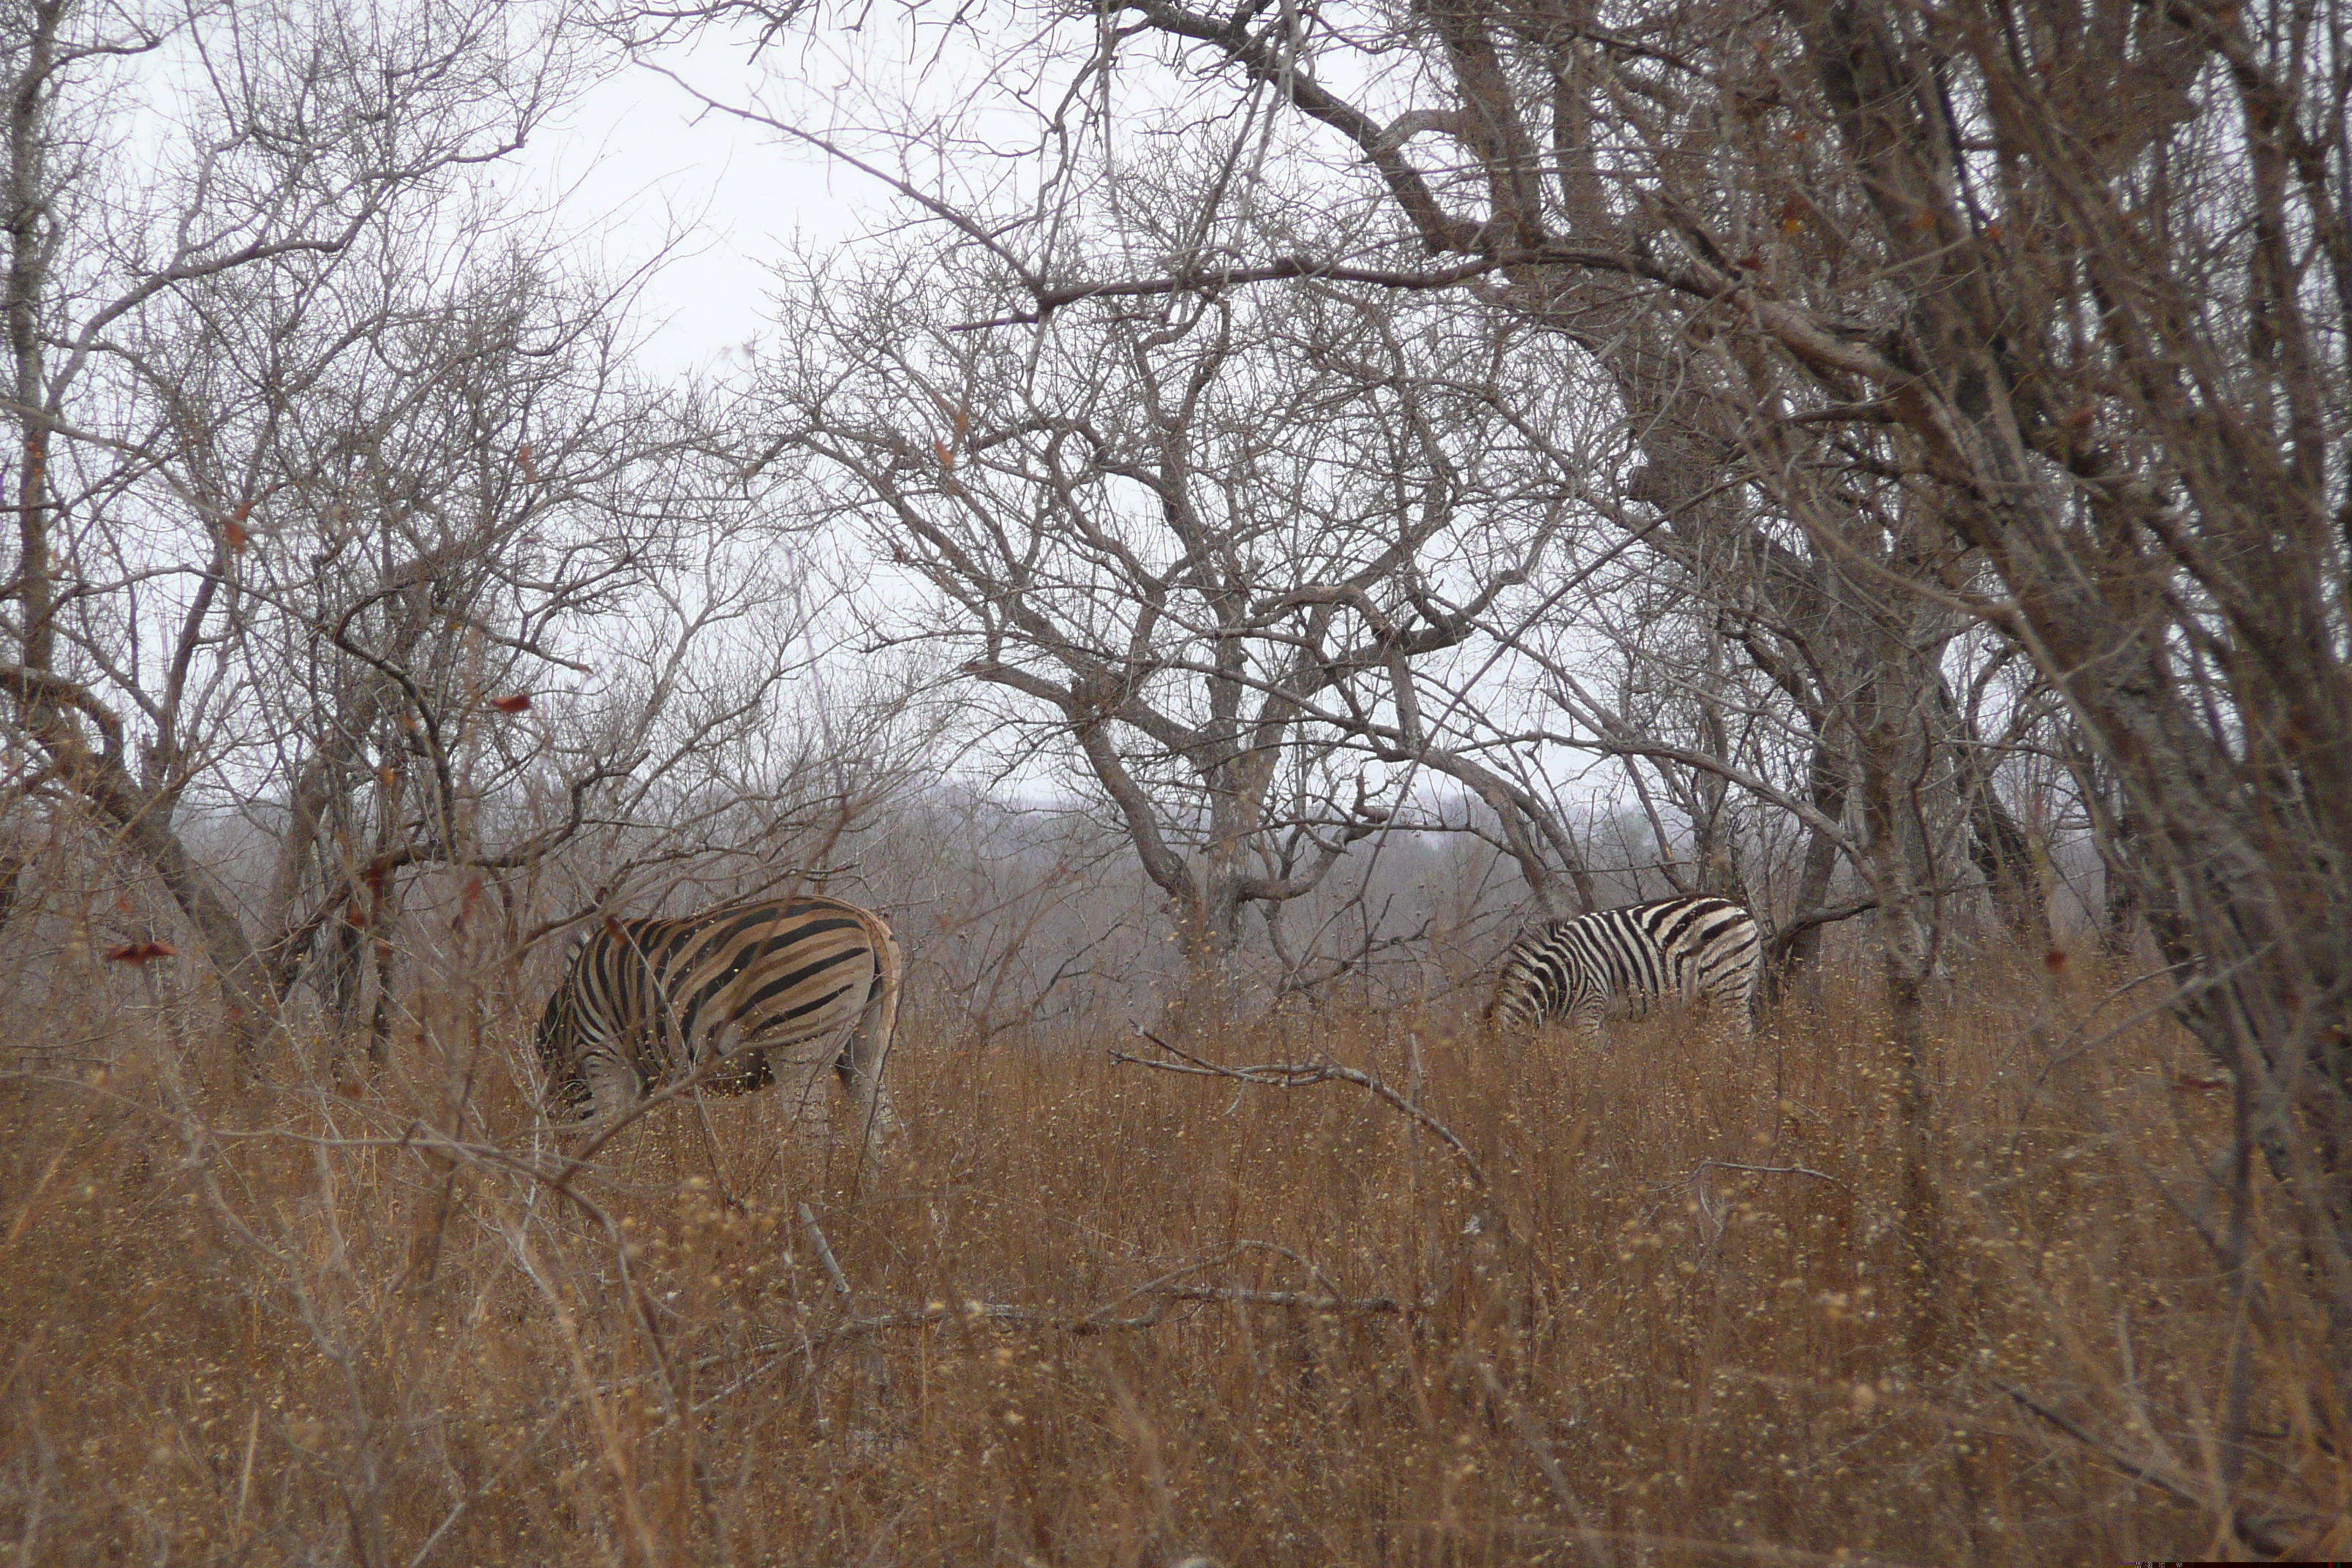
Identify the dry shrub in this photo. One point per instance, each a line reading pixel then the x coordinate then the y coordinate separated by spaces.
pixel 324 1321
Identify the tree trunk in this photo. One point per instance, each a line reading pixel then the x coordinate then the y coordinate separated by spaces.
pixel 1802 952
pixel 2003 855
pixel 1894 752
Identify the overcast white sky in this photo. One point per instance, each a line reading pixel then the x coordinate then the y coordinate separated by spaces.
pixel 636 159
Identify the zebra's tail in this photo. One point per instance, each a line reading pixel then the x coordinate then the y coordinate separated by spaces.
pixel 890 977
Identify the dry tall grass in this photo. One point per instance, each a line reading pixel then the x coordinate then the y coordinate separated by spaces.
pixel 1682 1323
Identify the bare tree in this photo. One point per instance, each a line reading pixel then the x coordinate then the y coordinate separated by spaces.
pixel 1207 548
pixel 1106 551
pixel 309 131
pixel 343 518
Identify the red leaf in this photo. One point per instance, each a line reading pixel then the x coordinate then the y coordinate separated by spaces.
pixel 515 704
pixel 141 952
pixel 946 458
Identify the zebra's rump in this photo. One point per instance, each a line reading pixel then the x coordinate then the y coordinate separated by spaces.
pixel 727 991
pixel 1625 961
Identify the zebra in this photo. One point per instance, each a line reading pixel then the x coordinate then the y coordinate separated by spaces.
pixel 1623 961
pixel 719 996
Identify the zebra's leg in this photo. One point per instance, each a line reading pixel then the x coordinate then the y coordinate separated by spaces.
pixel 859 1068
pixel 1728 1018
pixel 1739 998
pixel 613 1084
pixel 865 1053
pixel 801 1069
pixel 1587 1018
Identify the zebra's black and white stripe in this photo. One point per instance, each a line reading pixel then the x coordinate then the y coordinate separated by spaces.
pixel 1624 962
pixel 726 995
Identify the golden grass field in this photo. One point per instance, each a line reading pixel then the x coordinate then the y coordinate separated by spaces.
pixel 1098 1313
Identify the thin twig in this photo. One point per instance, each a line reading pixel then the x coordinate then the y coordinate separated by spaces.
pixel 1540 1451
pixel 2252 1532
pixel 1101 1320
pixel 1707 1165
pixel 1374 1304
pixel 1713 1212
pixel 1305 1075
